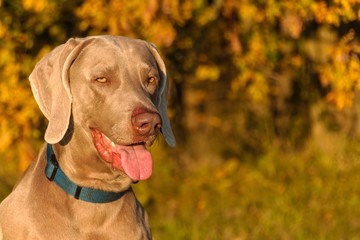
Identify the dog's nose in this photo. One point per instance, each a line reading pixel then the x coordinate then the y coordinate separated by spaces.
pixel 146 123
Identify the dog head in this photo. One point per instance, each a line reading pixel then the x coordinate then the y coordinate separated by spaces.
pixel 114 88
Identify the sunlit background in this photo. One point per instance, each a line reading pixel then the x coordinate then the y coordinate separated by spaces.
pixel 264 104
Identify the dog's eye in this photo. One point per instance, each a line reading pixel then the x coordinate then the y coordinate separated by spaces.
pixel 151 80
pixel 101 80
pixel 151 83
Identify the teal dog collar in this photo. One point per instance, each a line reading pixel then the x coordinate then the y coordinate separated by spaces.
pixel 56 175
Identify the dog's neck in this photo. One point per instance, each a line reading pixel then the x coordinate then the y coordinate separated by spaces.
pixel 82 164
pixel 55 174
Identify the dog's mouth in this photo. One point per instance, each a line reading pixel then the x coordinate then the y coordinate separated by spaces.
pixel 134 160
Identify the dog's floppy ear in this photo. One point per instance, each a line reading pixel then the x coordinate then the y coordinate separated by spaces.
pixel 50 85
pixel 162 100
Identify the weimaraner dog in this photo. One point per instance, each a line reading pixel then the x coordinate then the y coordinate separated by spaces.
pixel 105 98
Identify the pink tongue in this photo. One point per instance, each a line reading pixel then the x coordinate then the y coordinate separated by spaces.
pixel 135 160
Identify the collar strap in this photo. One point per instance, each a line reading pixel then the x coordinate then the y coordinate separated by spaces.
pixel 56 175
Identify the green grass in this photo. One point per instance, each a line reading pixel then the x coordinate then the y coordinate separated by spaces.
pixel 309 194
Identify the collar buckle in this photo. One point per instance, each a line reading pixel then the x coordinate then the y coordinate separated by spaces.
pixel 55 166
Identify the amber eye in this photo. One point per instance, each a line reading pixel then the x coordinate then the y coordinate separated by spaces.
pixel 101 80
pixel 151 80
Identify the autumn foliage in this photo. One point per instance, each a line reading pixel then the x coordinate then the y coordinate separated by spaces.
pixel 251 82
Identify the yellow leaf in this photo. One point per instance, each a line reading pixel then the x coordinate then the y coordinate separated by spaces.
pixel 207 72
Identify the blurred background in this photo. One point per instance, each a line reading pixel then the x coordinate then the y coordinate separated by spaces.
pixel 264 104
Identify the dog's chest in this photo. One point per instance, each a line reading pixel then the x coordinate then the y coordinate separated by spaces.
pixel 123 219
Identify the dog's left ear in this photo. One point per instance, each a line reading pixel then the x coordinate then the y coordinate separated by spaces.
pixel 51 88
pixel 163 97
